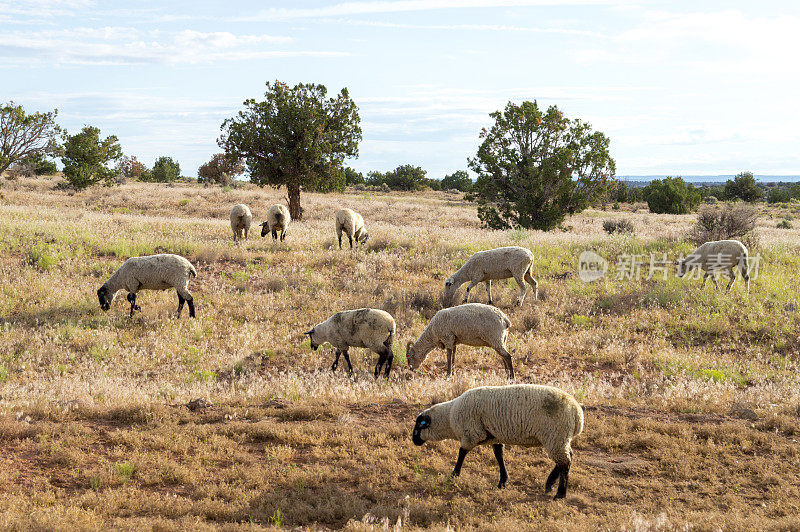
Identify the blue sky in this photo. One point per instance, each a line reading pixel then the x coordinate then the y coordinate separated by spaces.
pixel 701 88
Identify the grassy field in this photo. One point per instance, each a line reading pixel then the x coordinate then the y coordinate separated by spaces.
pixel 692 398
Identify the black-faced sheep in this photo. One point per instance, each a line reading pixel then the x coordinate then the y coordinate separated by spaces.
pixel 352 224
pixel 152 272
pixel 278 219
pixel 367 327
pixel 486 266
pixel 472 324
pixel 521 414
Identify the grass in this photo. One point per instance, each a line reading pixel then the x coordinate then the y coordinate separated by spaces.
pixel 96 433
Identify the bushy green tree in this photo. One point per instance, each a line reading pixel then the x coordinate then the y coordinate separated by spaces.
pixel 671 195
pixel 352 177
pixel 86 158
pixel 744 187
pixel 718 191
pixel 220 170
pixel 794 191
pixel 778 195
pixel 534 168
pixel 404 177
pixel 458 180
pixel 296 137
pixel 40 164
pixel 165 170
pixel 24 135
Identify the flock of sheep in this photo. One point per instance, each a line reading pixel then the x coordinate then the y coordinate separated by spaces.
pixel 522 414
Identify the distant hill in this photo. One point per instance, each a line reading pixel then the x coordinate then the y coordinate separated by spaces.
pixel 643 180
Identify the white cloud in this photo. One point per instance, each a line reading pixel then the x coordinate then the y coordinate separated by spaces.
pixel 363 8
pixel 123 45
pixel 468 27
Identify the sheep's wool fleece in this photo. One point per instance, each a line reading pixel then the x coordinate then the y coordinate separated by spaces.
pixel 528 415
pixel 275 212
pixel 473 324
pixel 349 220
pixel 152 272
pixel 720 253
pixel 365 327
pixel 240 216
pixel 498 263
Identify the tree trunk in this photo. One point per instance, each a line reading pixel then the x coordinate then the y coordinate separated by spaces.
pixel 295 210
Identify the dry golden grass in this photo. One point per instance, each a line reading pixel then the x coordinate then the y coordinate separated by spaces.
pixel 692 398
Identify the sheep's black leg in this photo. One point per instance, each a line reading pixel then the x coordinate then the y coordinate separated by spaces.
pixel 350 238
pixel 274 235
pixel 340 241
pixel 459 462
pixel 283 236
pixel 562 482
pixel 381 360
pixel 389 360
pixel 190 300
pixel 180 304
pixel 347 359
pixel 498 453
pixel 132 300
pixel 551 479
pixel 336 360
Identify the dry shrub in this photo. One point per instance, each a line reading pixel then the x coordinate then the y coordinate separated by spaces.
pixel 426 303
pixel 620 225
pixel 733 221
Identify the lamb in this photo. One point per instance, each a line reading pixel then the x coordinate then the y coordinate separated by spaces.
pixel 352 224
pixel 366 327
pixel 278 219
pixel 499 263
pixel 472 324
pixel 718 256
pixel 152 272
pixel 528 415
pixel 241 217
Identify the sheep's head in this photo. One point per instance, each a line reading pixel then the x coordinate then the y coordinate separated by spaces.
pixel 681 264
pixel 450 289
pixel 421 426
pixel 106 297
pixel 412 358
pixel 311 339
pixel 362 238
pixel 264 228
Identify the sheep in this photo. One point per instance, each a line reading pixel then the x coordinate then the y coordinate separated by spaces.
pixel 472 324
pixel 366 327
pixel 718 256
pixel 499 263
pixel 241 217
pixel 528 415
pixel 278 219
pixel 152 272
pixel 352 224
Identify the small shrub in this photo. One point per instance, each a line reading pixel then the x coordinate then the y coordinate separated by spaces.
pixel 671 195
pixel 737 221
pixel 124 471
pixel 40 257
pixel 621 225
pixel 185 202
pixel 711 200
pixel 615 206
pixel 784 224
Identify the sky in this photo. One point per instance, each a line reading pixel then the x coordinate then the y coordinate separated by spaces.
pixel 680 87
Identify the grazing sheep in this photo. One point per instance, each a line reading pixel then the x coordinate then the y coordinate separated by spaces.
pixel 472 324
pixel 367 327
pixel 241 217
pixel 153 272
pixel 528 415
pixel 718 256
pixel 352 224
pixel 499 263
pixel 277 220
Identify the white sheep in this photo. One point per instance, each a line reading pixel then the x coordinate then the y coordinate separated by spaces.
pixel 278 219
pixel 472 324
pixel 499 263
pixel 528 415
pixel 241 217
pixel 718 256
pixel 352 224
pixel 367 327
pixel 152 272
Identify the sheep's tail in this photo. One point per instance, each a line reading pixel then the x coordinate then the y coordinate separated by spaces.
pixel 506 321
pixel 744 265
pixel 192 271
pixel 577 414
pixel 279 219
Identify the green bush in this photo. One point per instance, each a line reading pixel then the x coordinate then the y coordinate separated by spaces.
pixel 778 195
pixel 743 187
pixel 165 170
pixel 784 224
pixel 86 158
pixel 671 195
pixel 458 180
